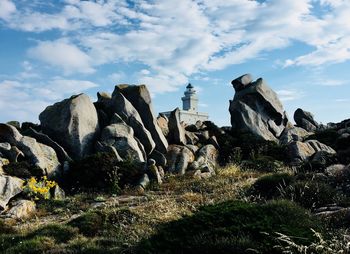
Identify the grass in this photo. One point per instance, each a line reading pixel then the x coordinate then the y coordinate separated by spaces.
pixel 232 227
pixel 215 213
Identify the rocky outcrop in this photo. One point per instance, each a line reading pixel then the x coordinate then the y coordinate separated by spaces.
pixel 256 109
pixel 9 187
pixel 46 140
pixel 206 160
pixel 12 153
pixel 40 155
pixel 163 121
pixel 36 153
pixel 179 158
pixel 121 137
pixel 72 123
pixel 291 134
pixel 120 105
pixel 305 120
pixel 176 130
pixel 140 98
pixel 302 151
pixel 242 82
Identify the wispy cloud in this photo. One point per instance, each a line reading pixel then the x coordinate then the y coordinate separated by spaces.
pixel 289 95
pixel 35 97
pixel 62 54
pixel 173 40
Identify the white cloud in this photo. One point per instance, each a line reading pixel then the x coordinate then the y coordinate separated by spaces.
pixel 117 77
pixel 289 95
pixel 7 8
pixel 176 39
pixel 342 100
pixel 23 101
pixel 62 54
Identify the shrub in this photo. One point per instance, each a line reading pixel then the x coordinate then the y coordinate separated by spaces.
pixel 311 194
pixel 263 163
pixel 232 227
pixel 36 245
pixel 321 245
pixel 37 190
pixel 23 169
pixel 98 222
pixel 60 233
pixel 268 186
pixel 5 228
pixel 89 224
pixel 236 147
pixel 98 171
pixel 327 137
pixel 101 172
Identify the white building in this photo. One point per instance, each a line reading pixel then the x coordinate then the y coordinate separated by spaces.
pixel 189 113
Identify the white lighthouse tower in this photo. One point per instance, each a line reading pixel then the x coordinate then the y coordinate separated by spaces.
pixel 190 100
pixel 189 113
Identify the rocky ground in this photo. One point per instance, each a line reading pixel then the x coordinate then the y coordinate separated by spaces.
pixel 111 177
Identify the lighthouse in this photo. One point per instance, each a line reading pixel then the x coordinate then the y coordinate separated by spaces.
pixel 189 113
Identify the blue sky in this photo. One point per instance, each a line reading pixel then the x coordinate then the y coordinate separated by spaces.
pixel 50 50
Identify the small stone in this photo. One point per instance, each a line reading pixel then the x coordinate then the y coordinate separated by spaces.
pixel 21 209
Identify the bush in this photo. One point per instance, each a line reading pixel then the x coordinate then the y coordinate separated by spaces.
pixel 236 147
pixel 327 137
pixel 89 224
pixel 60 233
pixel 263 163
pixel 311 194
pixel 269 186
pixel 101 172
pixel 5 228
pixel 23 169
pixel 99 222
pixel 233 227
pixel 37 190
pixel 34 245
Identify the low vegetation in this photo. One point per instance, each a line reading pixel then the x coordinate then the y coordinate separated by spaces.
pixel 236 211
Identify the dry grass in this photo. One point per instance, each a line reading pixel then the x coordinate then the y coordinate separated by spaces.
pixel 176 197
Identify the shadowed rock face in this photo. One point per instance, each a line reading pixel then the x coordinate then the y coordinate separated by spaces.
pixel 120 105
pixel 72 123
pixel 140 98
pixel 9 187
pixel 121 137
pixel 256 108
pixel 305 120
pixel 36 153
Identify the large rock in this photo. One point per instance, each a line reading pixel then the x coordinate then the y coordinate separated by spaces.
pixel 206 159
pixel 140 98
pixel 302 151
pixel 121 137
pixel 176 130
pixel 73 123
pixel 163 122
pixel 46 140
pixel 9 134
pixel 9 187
pixel 305 120
pixel 120 105
pixel 36 153
pixel 241 82
pixel 292 133
pixel 256 108
pixel 179 158
pixel 40 155
pixel 10 152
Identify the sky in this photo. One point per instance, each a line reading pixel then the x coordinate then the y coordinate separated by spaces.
pixel 52 49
